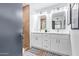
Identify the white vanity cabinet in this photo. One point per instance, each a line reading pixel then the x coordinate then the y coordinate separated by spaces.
pixel 54 43
pixel 58 43
pixel 65 44
pixel 46 42
pixel 36 40
pixel 61 43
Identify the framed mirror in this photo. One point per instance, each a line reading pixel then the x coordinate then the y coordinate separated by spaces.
pixel 75 16
pixel 58 20
pixel 42 23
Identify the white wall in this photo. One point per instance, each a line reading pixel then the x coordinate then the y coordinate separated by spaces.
pixel 75 42
pixel 34 17
pixel 47 9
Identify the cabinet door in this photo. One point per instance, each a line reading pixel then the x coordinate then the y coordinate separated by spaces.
pixel 54 43
pixel 36 41
pixel 46 42
pixel 65 45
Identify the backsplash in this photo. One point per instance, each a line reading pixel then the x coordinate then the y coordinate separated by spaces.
pixel 37 23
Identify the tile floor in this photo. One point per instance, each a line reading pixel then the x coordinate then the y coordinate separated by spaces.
pixel 38 52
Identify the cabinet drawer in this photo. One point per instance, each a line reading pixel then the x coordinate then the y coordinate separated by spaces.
pixel 64 36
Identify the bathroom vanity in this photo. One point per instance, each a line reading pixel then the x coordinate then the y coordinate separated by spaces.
pixel 53 42
pixel 51 31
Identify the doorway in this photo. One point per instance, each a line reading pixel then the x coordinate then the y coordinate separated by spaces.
pixel 26 39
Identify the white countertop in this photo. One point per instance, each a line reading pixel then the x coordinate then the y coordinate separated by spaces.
pixel 52 32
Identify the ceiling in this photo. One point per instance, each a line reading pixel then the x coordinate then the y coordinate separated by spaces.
pixel 37 6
